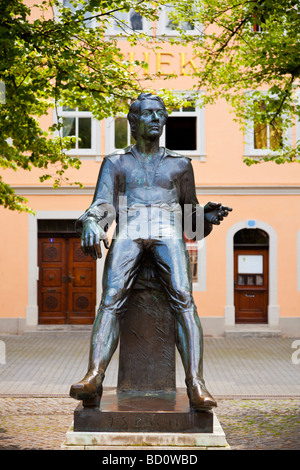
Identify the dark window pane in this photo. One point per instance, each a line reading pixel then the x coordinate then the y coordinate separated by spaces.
pixel 253 236
pixel 120 133
pixel 69 128
pixel 84 133
pixel 181 133
pixel 136 20
pixel 56 226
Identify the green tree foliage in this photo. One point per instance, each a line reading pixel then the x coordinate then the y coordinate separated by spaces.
pixel 55 57
pixel 50 55
pixel 246 46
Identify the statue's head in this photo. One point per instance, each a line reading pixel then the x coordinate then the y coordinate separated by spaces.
pixel 135 110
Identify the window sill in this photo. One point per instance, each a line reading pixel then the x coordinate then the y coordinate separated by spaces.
pixel 198 287
pixel 85 156
pixel 199 158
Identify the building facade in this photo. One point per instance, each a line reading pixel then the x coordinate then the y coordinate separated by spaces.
pixel 246 273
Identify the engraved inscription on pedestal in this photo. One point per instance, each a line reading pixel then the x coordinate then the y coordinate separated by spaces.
pixel 147 344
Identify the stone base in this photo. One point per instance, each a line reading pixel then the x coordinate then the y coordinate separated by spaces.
pixel 138 421
pixel 147 440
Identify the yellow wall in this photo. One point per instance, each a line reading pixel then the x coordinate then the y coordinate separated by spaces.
pixel 223 167
pixel 13 264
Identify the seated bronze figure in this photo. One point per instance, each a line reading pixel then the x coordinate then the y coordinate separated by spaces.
pixel 158 185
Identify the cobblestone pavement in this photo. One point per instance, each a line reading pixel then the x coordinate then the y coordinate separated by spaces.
pixel 41 423
pixel 255 381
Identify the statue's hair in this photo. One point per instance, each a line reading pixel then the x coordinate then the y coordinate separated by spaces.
pixel 134 110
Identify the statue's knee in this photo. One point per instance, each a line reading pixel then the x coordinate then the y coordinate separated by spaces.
pixel 181 301
pixel 114 300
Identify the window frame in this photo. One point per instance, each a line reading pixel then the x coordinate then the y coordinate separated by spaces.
pixel 110 134
pixel 95 150
pixel 110 31
pixel 56 14
pixel 163 31
pixel 251 151
pixel 200 248
pixel 199 113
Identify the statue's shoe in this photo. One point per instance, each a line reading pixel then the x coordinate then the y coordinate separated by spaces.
pixel 89 388
pixel 199 397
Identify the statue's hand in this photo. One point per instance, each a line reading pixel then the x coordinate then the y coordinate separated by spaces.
pixel 91 237
pixel 214 212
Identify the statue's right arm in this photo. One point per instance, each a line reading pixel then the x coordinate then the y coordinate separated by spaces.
pixel 94 223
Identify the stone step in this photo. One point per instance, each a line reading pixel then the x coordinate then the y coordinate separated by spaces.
pixel 249 330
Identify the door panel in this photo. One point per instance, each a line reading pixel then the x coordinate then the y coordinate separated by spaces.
pixel 251 285
pixel 67 282
pixel 81 285
pixel 52 287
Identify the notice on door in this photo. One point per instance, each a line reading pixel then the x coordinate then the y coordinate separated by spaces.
pixel 250 264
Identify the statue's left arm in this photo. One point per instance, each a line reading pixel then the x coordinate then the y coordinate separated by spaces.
pixel 201 219
pixel 195 226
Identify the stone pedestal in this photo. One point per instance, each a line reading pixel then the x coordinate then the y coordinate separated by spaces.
pixel 136 412
pixel 145 408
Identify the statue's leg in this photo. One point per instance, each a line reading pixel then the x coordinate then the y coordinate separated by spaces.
pixel 121 268
pixel 172 261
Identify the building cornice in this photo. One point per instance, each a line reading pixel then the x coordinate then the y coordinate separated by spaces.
pixel 50 191
pixel 233 190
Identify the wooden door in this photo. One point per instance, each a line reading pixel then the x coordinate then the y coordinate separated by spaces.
pixel 81 285
pixel 251 285
pixel 67 282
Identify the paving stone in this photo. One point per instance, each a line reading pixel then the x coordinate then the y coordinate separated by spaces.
pixel 254 380
pixel 42 423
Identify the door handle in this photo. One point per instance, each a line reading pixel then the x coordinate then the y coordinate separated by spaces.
pixel 249 295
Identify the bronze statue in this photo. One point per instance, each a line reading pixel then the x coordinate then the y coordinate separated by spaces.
pixel 151 185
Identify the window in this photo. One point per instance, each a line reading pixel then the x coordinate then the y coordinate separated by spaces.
pixel 125 21
pixel 192 247
pixel 80 124
pixel 268 136
pixel 68 4
pixel 128 22
pixel 197 253
pixel 118 134
pixel 184 131
pixel 169 26
pixel 257 28
pixel 263 138
pixel 122 133
pixel 182 121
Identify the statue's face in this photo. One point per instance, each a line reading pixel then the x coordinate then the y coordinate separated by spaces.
pixel 151 120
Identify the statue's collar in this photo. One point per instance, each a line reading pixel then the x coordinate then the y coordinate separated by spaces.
pixel 167 152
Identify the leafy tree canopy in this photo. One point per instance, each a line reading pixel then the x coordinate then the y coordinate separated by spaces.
pixel 50 55
pixel 250 54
